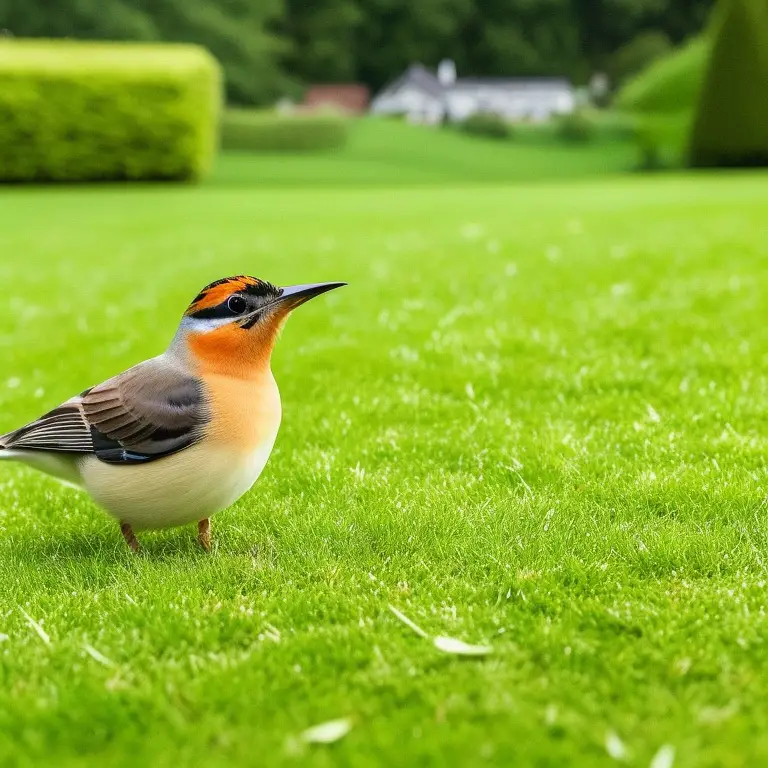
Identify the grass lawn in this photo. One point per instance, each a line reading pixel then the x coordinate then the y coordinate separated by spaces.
pixel 396 153
pixel 537 419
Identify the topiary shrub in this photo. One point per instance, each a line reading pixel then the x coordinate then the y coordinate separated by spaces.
pixel 661 101
pixel 576 127
pixel 730 127
pixel 253 131
pixel 638 53
pixel 661 140
pixel 670 85
pixel 487 125
pixel 106 111
pixel 613 125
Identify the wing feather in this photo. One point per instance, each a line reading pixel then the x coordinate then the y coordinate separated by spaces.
pixel 147 412
pixel 63 429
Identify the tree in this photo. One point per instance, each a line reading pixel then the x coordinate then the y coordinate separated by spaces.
pixel 730 127
pixel 96 19
pixel 237 32
pixel 269 47
pixel 322 36
pixel 519 37
pixel 606 25
pixel 395 33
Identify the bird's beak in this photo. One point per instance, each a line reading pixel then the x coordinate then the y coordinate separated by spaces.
pixel 294 295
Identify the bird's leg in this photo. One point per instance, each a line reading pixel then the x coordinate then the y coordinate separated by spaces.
pixel 204 534
pixel 129 536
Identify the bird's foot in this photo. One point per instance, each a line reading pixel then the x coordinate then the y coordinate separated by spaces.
pixel 129 536
pixel 204 534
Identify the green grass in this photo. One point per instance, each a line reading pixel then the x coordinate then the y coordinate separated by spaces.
pixel 536 418
pixel 396 153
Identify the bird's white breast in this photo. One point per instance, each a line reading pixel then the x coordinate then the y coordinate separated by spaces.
pixel 181 488
pixel 199 481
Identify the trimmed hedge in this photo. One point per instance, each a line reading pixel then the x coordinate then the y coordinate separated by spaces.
pixel 254 131
pixel 576 127
pixel 106 111
pixel 486 125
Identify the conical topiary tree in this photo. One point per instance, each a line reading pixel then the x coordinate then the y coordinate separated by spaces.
pixel 730 127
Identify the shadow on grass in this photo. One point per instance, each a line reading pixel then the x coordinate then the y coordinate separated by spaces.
pixel 104 546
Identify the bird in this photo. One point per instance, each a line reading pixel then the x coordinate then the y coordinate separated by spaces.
pixel 183 435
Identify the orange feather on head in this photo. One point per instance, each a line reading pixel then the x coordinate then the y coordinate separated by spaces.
pixel 240 344
pixel 218 292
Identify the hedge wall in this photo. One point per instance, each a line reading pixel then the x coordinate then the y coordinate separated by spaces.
pixel 106 111
pixel 254 131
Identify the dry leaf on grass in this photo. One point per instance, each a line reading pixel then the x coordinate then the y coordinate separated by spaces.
pixel 327 733
pixel 442 643
pixel 459 648
pixel 664 758
pixel 614 746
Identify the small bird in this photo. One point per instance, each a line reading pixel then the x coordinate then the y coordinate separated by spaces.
pixel 182 435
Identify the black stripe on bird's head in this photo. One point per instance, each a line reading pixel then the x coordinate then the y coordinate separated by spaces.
pixel 244 301
pixel 232 297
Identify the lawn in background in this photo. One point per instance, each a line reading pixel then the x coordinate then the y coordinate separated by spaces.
pixel 391 152
pixel 535 419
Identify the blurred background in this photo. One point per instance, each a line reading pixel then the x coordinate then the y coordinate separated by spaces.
pixel 379 90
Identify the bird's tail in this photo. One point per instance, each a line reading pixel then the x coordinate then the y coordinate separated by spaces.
pixel 5 452
pixel 59 466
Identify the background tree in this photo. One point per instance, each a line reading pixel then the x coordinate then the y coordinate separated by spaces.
pixel 322 39
pixel 395 33
pixel 605 25
pixel 524 38
pixel 238 32
pixel 270 47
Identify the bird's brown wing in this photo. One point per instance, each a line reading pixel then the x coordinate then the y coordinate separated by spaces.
pixel 149 411
pixel 62 429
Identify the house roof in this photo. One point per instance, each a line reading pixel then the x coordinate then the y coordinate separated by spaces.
pixel 513 82
pixel 419 76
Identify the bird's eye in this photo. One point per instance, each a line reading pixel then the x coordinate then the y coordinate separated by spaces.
pixel 237 305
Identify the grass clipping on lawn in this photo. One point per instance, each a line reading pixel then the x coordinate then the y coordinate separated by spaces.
pixel 442 643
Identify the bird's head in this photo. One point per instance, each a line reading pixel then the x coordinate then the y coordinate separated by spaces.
pixel 231 326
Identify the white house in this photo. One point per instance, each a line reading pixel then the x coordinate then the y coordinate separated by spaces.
pixel 427 98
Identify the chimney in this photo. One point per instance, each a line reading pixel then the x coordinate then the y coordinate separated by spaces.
pixel 446 73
